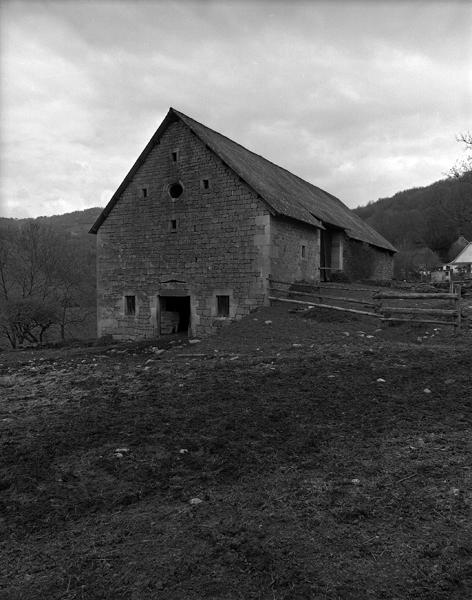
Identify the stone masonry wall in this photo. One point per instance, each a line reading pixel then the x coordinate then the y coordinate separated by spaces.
pixel 289 261
pixel 362 261
pixel 383 266
pixel 213 239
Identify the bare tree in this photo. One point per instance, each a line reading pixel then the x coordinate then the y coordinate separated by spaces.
pixel 463 166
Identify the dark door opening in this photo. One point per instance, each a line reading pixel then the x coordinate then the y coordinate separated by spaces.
pixel 325 255
pixel 174 314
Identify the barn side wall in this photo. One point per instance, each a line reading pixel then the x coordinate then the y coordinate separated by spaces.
pixel 212 240
pixel 362 261
pixel 295 251
pixel 383 267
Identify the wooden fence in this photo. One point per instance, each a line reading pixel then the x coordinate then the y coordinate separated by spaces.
pixel 281 291
pixel 418 315
pixel 318 291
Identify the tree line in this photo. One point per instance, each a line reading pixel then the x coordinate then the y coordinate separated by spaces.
pixel 47 282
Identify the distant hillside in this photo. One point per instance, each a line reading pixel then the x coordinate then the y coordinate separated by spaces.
pixel 429 217
pixel 76 223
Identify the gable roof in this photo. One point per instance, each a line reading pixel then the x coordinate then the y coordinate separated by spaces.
pixel 286 194
pixel 464 256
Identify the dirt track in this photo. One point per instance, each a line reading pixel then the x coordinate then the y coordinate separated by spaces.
pixel 296 458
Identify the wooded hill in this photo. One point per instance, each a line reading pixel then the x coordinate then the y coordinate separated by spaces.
pixel 430 217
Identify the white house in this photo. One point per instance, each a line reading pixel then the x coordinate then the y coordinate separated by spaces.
pixel 462 264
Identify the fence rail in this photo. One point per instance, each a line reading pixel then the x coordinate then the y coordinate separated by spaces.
pixel 320 295
pixel 415 296
pixel 318 305
pixel 317 291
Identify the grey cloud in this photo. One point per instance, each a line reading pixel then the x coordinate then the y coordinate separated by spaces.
pixel 360 98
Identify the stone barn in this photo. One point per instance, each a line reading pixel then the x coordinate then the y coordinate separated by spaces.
pixel 198 225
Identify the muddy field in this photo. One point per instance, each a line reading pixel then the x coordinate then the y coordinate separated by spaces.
pixel 292 456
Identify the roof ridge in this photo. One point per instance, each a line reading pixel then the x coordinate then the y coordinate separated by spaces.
pixel 228 138
pixel 304 181
pixel 285 193
pixel 235 168
pixel 255 153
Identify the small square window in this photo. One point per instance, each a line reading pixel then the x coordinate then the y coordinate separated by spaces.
pixel 130 305
pixel 303 251
pixel 206 184
pixel 222 306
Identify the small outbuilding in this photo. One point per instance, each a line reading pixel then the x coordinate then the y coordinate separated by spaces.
pixel 462 264
pixel 198 225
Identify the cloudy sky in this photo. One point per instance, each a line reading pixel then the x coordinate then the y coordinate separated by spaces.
pixel 361 98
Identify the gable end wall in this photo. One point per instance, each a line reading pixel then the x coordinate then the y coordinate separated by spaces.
pixel 221 245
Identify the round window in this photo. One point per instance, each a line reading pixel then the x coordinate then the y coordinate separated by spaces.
pixel 176 190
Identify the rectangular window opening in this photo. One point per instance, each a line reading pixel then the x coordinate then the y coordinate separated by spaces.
pixel 144 192
pixel 303 251
pixel 130 305
pixel 206 184
pixel 175 156
pixel 173 225
pixel 222 306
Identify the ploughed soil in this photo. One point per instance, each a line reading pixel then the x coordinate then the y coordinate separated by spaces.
pixel 291 456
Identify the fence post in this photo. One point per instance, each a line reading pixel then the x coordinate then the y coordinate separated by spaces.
pixel 378 306
pixel 458 307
